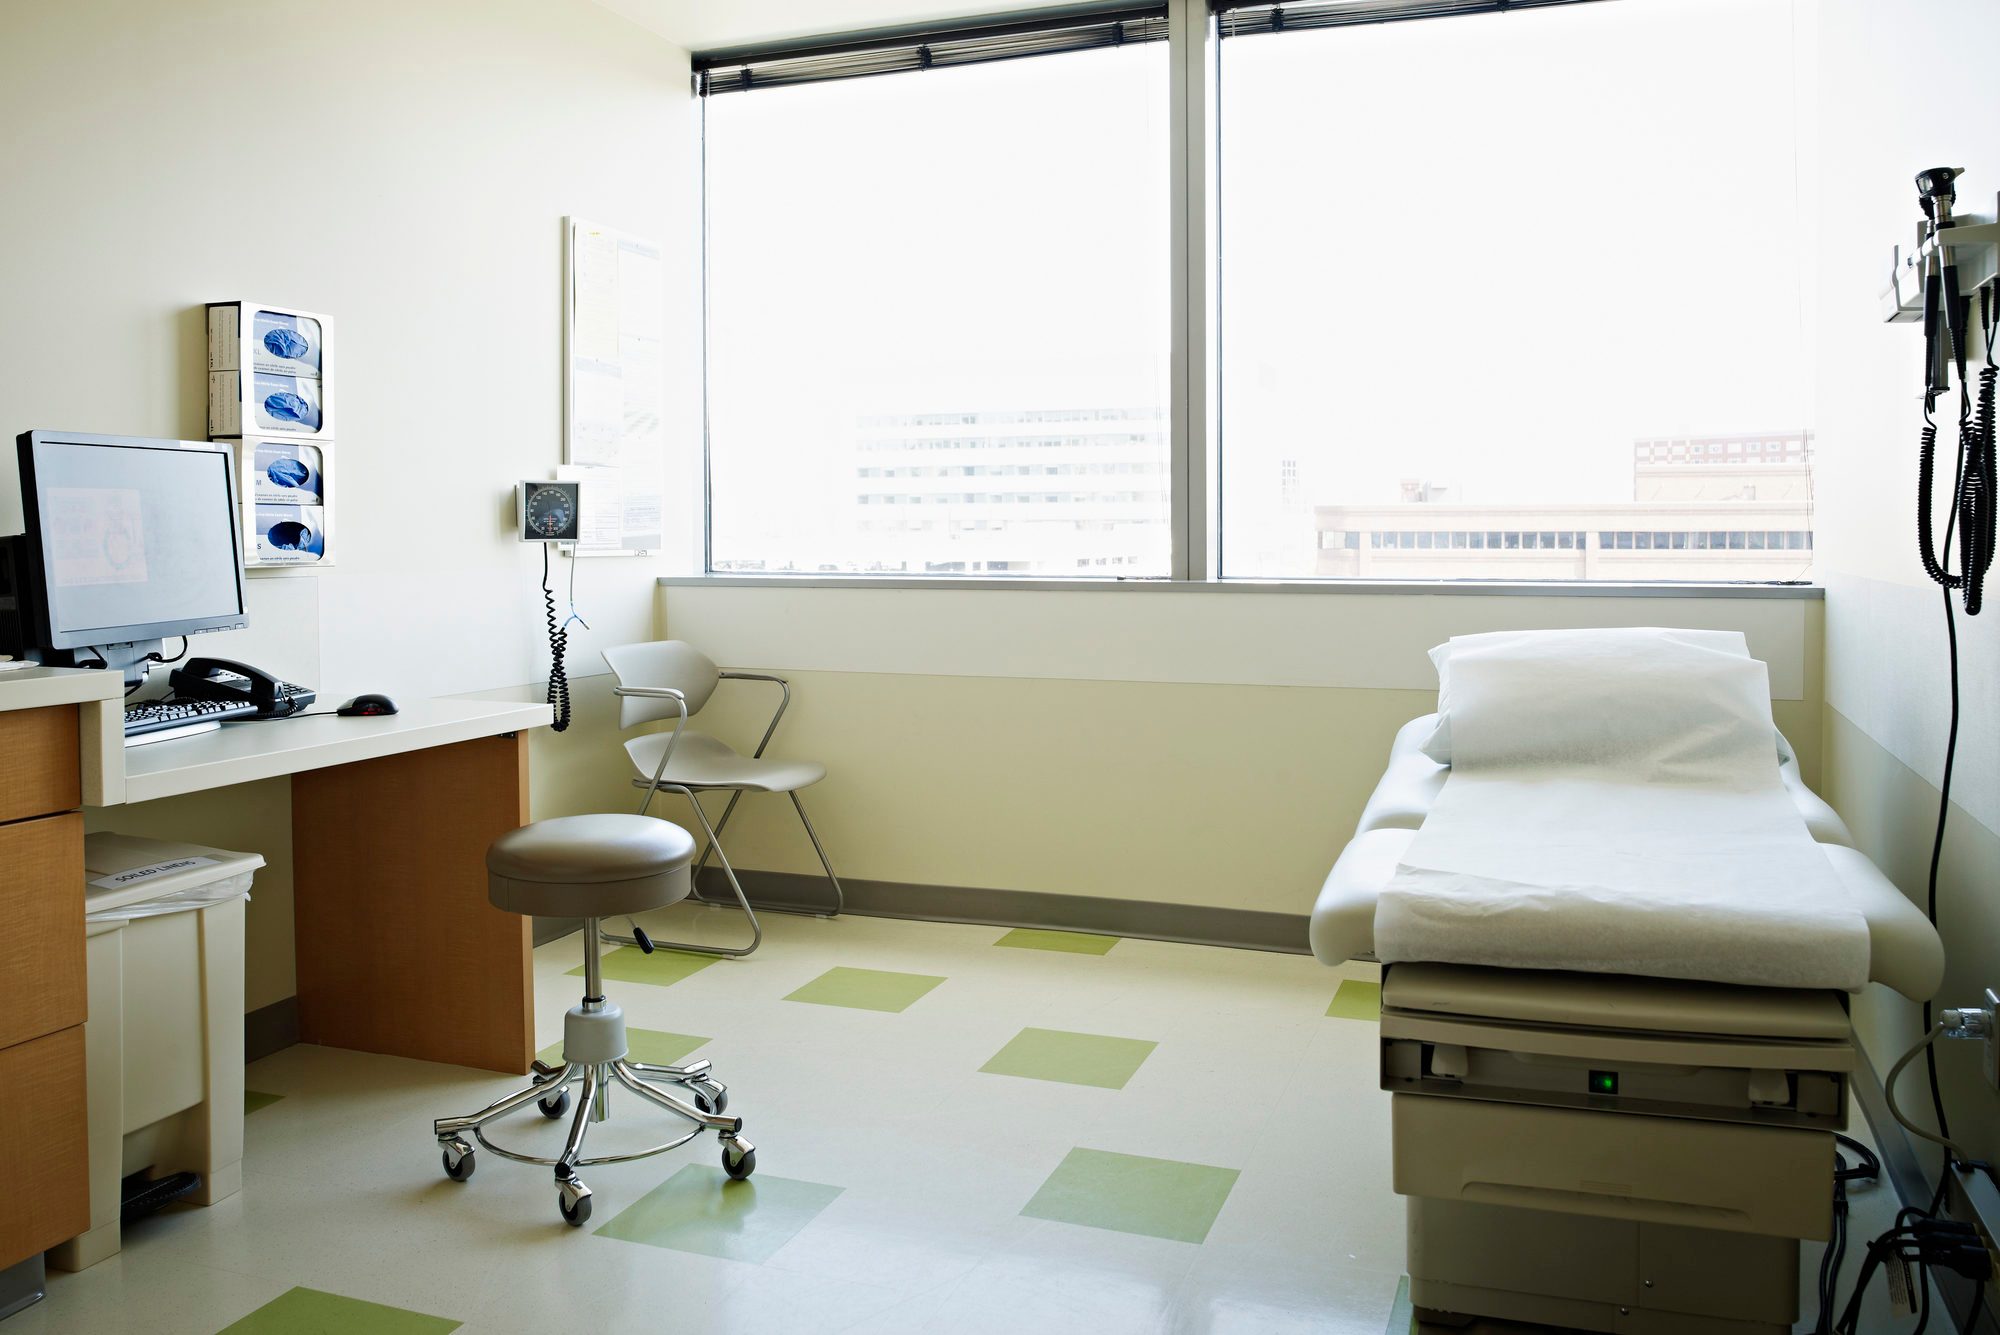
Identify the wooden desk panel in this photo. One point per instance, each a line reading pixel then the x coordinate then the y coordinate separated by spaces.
pixel 40 772
pixel 398 949
pixel 43 1153
pixel 41 928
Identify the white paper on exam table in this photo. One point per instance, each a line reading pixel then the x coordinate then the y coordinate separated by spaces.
pixel 1616 807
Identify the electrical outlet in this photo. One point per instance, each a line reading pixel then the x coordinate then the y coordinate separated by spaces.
pixel 1982 1023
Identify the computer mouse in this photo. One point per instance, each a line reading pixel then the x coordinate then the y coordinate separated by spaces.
pixel 367 706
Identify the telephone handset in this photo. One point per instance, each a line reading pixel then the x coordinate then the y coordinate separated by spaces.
pixel 239 683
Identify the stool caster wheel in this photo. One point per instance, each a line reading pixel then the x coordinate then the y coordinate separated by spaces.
pixel 711 1099
pixel 459 1160
pixel 739 1158
pixel 554 1106
pixel 573 1199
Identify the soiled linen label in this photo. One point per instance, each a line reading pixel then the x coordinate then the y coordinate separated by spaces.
pixel 118 880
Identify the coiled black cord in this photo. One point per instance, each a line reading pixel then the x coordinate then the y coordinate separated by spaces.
pixel 1975 486
pixel 558 645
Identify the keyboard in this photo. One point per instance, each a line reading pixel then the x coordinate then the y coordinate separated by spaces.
pixel 146 719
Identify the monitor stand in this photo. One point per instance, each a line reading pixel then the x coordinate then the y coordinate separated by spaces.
pixel 130 659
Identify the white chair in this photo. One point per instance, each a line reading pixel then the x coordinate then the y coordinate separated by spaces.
pixel 670 679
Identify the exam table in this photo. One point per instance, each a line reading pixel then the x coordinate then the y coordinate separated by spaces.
pixel 1608 1152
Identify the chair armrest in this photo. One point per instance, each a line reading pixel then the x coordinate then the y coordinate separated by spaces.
pixel 653 693
pixel 784 703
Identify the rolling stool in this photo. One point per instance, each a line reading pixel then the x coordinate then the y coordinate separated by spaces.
pixel 594 867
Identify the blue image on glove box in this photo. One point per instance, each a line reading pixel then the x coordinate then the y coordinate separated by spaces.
pixel 286 403
pixel 289 473
pixel 290 531
pixel 293 339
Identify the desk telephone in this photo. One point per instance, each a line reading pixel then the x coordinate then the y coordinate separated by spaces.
pixel 232 683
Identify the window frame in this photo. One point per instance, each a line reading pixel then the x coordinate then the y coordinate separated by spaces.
pixel 1193 405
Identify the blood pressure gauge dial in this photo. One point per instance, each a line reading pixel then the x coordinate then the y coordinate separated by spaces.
pixel 549 511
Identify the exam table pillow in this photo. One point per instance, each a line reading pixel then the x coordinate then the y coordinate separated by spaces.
pixel 1904 952
pixel 1565 697
pixel 1412 780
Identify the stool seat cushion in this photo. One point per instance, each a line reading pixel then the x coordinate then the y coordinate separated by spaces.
pixel 597 866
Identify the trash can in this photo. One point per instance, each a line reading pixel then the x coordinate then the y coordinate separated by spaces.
pixel 163 1046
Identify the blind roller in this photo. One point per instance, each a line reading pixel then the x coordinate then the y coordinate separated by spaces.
pixel 1240 19
pixel 971 44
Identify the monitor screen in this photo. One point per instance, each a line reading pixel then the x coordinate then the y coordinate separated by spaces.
pixel 134 537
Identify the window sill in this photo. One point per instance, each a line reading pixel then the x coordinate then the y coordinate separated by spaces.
pixel 1448 588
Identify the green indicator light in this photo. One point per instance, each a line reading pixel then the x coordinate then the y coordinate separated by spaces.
pixel 1604 1082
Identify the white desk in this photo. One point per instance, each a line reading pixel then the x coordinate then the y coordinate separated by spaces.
pixel 398 949
pixel 243 751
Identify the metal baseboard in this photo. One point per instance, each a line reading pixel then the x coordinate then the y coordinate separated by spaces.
pixel 270 1029
pixel 1195 924
pixel 22 1285
pixel 555 929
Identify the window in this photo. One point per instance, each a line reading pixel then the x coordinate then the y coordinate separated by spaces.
pixel 925 284
pixel 1418 307
pixel 941 301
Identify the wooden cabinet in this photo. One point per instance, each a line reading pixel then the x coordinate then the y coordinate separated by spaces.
pixel 42 997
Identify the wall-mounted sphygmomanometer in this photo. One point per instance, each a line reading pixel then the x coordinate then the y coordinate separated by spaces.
pixel 551 513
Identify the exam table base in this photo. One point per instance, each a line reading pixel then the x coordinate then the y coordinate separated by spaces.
pixel 1580 1272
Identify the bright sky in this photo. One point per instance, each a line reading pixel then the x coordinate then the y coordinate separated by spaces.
pixel 1487 251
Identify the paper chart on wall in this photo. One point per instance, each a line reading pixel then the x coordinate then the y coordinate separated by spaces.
pixel 616 375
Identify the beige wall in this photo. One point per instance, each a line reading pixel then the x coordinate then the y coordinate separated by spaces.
pixel 1885 115
pixel 407 171
pixel 1181 747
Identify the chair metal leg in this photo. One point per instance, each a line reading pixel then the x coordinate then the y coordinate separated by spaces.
pixel 626 1076
pixel 727 811
pixel 679 1074
pixel 579 1124
pixel 839 900
pixel 452 1126
pixel 756 928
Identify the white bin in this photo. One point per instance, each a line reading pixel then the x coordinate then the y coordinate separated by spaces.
pixel 163 1047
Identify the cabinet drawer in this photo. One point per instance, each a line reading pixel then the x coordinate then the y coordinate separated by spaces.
pixel 42 1146
pixel 1736 1178
pixel 39 763
pixel 41 927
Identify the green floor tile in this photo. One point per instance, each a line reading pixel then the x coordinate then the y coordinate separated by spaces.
pixel 629 964
pixel 1069 943
pixel 1357 1001
pixel 1402 1321
pixel 256 1099
pixel 310 1312
pixel 866 989
pixel 654 1046
pixel 700 1210
pixel 1074 1059
pixel 1127 1193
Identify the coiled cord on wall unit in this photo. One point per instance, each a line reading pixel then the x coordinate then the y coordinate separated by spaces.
pixel 1975 486
pixel 558 645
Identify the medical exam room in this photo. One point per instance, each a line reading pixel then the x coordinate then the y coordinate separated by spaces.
pixel 972 667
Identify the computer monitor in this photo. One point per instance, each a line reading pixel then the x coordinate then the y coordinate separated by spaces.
pixel 127 541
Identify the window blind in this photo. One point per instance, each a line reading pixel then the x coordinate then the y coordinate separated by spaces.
pixel 1235 18
pixel 972 43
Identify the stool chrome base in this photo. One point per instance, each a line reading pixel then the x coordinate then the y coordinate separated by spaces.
pixel 594 1032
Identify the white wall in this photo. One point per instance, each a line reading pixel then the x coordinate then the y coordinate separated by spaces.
pixel 1886 113
pixel 405 168
pixel 408 174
